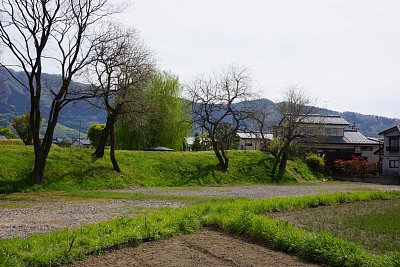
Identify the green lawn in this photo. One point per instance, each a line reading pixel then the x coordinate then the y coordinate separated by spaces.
pixel 373 225
pixel 75 169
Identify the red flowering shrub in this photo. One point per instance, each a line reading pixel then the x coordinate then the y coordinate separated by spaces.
pixel 356 166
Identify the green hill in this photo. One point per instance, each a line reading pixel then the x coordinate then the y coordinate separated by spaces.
pixel 75 169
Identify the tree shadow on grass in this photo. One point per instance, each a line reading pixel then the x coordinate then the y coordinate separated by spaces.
pixel 202 174
pixel 11 186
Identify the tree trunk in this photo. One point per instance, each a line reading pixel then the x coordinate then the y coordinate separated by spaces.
pixel 284 159
pixel 112 148
pixel 222 164
pixel 99 153
pixel 42 149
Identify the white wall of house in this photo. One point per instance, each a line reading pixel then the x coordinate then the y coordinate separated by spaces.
pixel 250 144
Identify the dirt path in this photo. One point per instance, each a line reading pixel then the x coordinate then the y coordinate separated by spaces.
pixel 203 248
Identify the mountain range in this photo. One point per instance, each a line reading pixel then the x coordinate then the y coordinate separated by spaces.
pixel 77 117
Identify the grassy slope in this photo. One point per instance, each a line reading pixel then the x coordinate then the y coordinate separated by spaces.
pixel 69 169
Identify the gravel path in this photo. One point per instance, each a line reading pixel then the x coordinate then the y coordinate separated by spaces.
pixel 262 191
pixel 45 217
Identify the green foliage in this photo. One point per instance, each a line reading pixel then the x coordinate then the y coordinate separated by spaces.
pixel 226 136
pixel 11 142
pixel 241 216
pixel 315 162
pixel 7 133
pixel 23 127
pixel 201 142
pixel 94 133
pixel 164 120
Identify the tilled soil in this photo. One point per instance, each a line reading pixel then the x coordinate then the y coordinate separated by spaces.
pixel 203 248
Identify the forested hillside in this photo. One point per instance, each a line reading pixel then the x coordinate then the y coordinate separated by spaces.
pixel 14 100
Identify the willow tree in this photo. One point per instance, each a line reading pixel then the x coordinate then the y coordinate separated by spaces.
pixel 162 121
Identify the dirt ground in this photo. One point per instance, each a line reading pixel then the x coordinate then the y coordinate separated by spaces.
pixel 203 248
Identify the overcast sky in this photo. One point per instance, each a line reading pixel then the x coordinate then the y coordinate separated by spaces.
pixel 346 53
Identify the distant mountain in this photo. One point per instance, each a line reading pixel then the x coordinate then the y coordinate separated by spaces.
pixel 15 100
pixel 76 117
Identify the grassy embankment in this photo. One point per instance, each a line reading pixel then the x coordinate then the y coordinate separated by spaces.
pixel 250 218
pixel 75 169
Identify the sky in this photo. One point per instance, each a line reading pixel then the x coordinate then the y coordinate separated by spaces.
pixel 344 53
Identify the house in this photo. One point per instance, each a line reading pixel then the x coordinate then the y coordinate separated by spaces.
pixel 57 140
pixel 83 143
pixel 391 151
pixel 334 137
pixel 252 141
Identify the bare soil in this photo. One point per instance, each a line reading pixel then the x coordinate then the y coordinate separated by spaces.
pixel 203 248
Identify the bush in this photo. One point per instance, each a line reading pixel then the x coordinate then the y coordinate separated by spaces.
pixel 94 134
pixel 356 166
pixel 7 133
pixel 315 162
pixel 17 142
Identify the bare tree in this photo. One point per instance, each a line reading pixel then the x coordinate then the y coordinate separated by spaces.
pixel 260 122
pixel 55 32
pixel 213 99
pixel 293 110
pixel 123 66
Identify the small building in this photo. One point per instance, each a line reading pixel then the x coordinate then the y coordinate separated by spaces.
pixel 82 143
pixel 57 140
pixel 391 151
pixel 253 141
pixel 2 137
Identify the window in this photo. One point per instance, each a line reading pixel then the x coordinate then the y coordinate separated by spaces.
pixel 331 131
pixel 393 141
pixel 393 164
pixel 248 144
pixel 393 144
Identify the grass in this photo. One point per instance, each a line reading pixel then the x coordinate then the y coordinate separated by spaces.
pixel 237 215
pixel 70 169
pixel 373 225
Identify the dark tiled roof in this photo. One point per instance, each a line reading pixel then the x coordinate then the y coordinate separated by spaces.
pixel 352 137
pixel 324 119
pixel 390 129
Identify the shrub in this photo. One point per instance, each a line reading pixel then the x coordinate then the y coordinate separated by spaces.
pixel 94 133
pixel 7 133
pixel 315 162
pixel 356 166
pixel 12 142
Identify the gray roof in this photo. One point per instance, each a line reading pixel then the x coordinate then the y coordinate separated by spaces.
pixel 83 141
pixel 352 137
pixel 324 119
pixel 157 148
pixel 254 136
pixel 390 129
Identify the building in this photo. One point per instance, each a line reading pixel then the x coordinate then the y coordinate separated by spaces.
pixel 82 143
pixel 391 151
pixel 2 137
pixel 252 141
pixel 334 137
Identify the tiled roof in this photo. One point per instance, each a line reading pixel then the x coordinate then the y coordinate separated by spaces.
pixel 254 136
pixel 390 129
pixel 351 137
pixel 324 119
